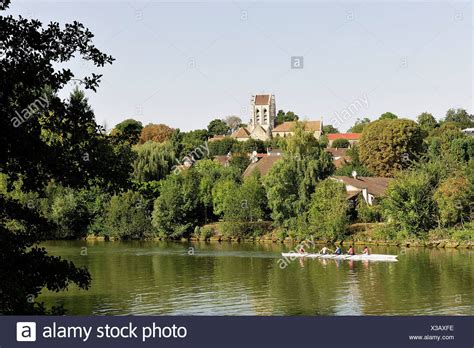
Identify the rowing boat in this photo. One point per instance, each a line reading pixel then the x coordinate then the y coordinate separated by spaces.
pixel 360 257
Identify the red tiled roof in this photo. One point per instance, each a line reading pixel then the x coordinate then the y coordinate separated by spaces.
pixel 313 126
pixel 262 99
pixel 241 133
pixel 348 136
pixel 263 166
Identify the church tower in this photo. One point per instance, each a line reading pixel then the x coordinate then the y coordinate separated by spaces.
pixel 263 112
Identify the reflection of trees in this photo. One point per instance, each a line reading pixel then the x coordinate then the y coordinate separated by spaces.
pixel 226 279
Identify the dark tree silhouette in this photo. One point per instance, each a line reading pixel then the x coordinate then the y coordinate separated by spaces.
pixel 44 138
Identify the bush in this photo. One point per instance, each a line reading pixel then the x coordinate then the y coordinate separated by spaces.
pixel 368 213
pixel 328 210
pixel 179 206
pixel 341 143
pixel 453 201
pixel 243 206
pixel 126 217
pixel 409 204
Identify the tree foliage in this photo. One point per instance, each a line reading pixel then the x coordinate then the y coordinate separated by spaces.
pixel 329 129
pixel 388 146
pixel 461 117
pixel 359 125
pixel 453 200
pixel 128 130
pixel 243 207
pixel 60 140
pixel 291 182
pixel 179 208
pixel 388 116
pixel 126 217
pixel 341 144
pixel 155 132
pixel 154 161
pixel 218 127
pixel 328 211
pixel 288 116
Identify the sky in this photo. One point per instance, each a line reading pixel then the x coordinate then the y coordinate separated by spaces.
pixel 186 63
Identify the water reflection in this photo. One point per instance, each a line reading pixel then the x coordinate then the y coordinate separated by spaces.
pixel 151 278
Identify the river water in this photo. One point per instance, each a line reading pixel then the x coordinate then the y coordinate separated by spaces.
pixel 168 278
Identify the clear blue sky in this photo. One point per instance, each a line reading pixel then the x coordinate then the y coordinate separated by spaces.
pixel 185 64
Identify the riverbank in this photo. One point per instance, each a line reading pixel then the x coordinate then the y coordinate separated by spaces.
pixel 358 234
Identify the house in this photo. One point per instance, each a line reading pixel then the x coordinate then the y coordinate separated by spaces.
pixel 353 138
pixel 241 134
pixel 371 188
pixel 339 156
pixel 263 163
pixel 223 160
pixel 286 129
pixel 468 131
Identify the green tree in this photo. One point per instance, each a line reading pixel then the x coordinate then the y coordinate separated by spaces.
pixel 354 165
pixel 243 207
pixel 328 211
pixel 462 149
pixel 291 182
pixel 211 172
pixel 289 116
pixel 126 217
pixel 388 146
pixel 50 143
pixel 329 129
pixel 67 209
pixel 178 209
pixel 427 122
pixel 453 201
pixel 341 144
pixel 220 191
pixel 221 147
pixel 217 127
pixel 128 130
pixel 388 116
pixel 154 161
pixel 359 125
pixel 240 162
pixel 409 204
pixel 461 117
pixel 192 140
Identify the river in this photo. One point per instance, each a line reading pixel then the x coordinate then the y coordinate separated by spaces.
pixel 172 278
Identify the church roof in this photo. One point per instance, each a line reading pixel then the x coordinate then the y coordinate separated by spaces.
pixel 312 126
pixel 241 133
pixel 262 99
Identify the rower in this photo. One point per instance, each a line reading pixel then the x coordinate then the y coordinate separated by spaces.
pixel 301 250
pixel 338 250
pixel 366 250
pixel 351 250
pixel 325 250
